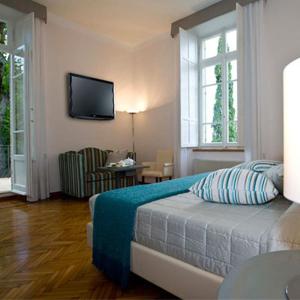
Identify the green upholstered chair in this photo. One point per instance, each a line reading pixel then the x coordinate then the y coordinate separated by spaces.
pixel 79 175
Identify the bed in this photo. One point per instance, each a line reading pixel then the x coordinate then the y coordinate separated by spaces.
pixel 187 246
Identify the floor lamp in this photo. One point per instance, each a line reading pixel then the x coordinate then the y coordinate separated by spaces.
pixel 132 113
pixel 292 150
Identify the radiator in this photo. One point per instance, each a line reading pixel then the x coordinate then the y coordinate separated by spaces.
pixel 201 166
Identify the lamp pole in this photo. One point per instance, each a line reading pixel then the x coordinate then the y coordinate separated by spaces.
pixel 132 130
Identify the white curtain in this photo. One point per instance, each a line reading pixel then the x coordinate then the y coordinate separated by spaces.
pixel 250 31
pixel 38 181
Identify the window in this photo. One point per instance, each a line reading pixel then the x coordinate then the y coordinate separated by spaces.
pixel 218 90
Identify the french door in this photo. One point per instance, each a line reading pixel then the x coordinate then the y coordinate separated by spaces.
pixel 20 104
pixel 18 121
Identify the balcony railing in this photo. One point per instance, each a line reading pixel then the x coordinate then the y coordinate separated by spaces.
pixel 5 170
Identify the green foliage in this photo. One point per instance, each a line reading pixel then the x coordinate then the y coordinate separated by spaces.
pixel 218 109
pixel 4 105
pixel 5 127
pixel 4 92
pixel 4 101
pixel 3 32
pixel 231 110
pixel 5 78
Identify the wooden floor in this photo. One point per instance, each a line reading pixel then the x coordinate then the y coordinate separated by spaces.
pixel 44 255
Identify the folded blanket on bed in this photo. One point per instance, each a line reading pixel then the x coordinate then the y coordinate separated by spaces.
pixel 114 218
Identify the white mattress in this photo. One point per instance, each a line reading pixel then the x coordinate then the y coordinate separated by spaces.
pixel 213 237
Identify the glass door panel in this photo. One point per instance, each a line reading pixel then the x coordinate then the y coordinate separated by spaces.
pixel 18 121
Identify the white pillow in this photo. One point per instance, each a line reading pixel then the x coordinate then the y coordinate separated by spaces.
pixel 235 186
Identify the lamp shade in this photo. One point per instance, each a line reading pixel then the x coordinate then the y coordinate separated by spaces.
pixel 291 81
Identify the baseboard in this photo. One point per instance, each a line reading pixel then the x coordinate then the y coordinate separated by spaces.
pixel 56 195
pixel 53 195
pixel 62 195
pixel 11 196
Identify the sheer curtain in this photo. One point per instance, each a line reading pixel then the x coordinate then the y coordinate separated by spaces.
pixel 38 181
pixel 250 31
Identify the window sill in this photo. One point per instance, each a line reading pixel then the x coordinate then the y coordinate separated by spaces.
pixel 231 149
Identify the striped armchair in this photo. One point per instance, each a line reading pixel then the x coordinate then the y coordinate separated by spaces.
pixel 79 176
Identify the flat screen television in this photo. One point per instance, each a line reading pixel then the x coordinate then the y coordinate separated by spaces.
pixel 90 98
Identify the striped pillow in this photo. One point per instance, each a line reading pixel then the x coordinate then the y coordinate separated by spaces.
pixel 235 186
pixel 275 174
pixel 258 165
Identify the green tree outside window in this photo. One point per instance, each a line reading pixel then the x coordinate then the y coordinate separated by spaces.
pixel 217 125
pixel 4 104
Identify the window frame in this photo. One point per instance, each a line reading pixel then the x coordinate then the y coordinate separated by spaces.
pixel 222 59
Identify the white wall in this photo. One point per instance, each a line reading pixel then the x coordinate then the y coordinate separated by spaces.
pixel 156 77
pixel 282 45
pixel 69 49
pixel 146 79
pixel 155 88
pixel 156 84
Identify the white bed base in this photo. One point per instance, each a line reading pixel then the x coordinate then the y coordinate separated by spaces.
pixel 175 276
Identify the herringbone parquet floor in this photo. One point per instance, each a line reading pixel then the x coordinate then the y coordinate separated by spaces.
pixel 44 255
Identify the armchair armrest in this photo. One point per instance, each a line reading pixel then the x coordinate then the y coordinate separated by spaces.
pixel 168 165
pixel 167 169
pixel 71 167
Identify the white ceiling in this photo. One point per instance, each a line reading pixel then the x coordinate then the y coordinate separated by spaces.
pixel 129 21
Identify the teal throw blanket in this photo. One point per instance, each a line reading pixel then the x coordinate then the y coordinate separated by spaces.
pixel 114 219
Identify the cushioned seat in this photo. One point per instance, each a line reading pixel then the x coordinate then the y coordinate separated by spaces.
pixel 79 175
pixel 160 169
pixel 152 173
pixel 97 176
pixel 96 181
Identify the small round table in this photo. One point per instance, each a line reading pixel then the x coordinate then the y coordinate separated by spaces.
pixel 263 277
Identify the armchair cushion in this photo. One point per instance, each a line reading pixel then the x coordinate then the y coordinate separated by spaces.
pixel 98 176
pixel 158 169
pixel 164 156
pixel 162 167
pixel 152 173
pixel 96 182
pixel 79 175
pixel 150 164
pixel 93 158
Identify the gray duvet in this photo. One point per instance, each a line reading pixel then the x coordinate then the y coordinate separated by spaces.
pixel 216 237
pixel 213 237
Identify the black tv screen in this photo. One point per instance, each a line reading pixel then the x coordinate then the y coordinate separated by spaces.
pixel 90 98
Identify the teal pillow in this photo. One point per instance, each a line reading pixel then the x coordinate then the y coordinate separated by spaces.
pixel 235 186
pixel 258 165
